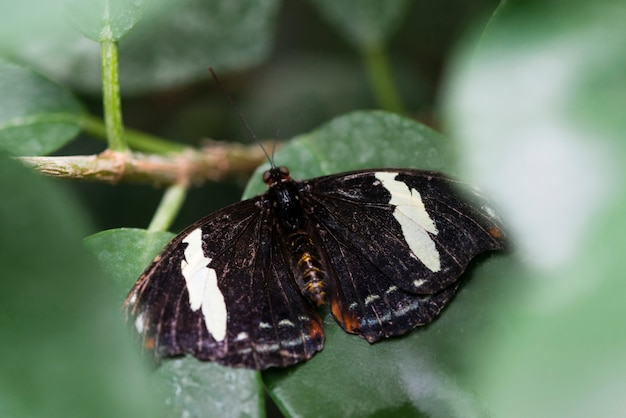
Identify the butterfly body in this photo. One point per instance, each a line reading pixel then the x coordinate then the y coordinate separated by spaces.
pixel 385 248
pixel 284 199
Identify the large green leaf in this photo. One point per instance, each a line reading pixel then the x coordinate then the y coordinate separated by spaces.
pixel 173 44
pixel 423 373
pixel 361 140
pixel 36 116
pixel 64 352
pixel 538 106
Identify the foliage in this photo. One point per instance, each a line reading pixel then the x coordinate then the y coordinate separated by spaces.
pixel 532 104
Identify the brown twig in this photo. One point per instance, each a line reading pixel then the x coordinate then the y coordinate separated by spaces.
pixel 215 161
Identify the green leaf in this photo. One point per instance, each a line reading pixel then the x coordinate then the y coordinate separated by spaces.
pixel 188 387
pixel 193 388
pixel 173 45
pixel 538 108
pixel 364 139
pixel 104 19
pixel 422 374
pixel 36 116
pixel 363 23
pixel 125 253
pixel 65 351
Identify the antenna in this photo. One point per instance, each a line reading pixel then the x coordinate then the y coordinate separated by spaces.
pixel 241 118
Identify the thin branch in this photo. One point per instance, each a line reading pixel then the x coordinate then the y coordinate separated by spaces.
pixel 381 77
pixel 171 202
pixel 216 161
pixel 111 96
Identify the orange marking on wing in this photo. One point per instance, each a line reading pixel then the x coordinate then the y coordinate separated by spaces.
pixel 495 232
pixel 315 329
pixel 148 343
pixel 348 321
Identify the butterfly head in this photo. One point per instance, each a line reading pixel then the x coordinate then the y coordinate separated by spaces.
pixel 276 175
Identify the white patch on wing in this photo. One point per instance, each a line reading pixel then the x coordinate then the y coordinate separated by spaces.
pixel 409 308
pixel 264 348
pixel 241 336
pixel 371 298
pixel 292 343
pixel 391 289
pixel 490 212
pixel 202 286
pixel 414 220
pixel 418 282
pixel 140 322
pixel 133 298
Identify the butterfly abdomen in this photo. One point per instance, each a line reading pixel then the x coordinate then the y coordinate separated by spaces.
pixel 311 275
pixel 284 197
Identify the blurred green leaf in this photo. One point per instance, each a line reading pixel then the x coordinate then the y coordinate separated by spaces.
pixel 36 116
pixel 422 374
pixel 538 108
pixel 125 253
pixel 171 49
pixel 363 23
pixel 363 139
pixel 65 351
pixel 173 44
pixel 102 20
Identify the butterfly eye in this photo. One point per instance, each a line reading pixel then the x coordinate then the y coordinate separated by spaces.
pixel 283 170
pixel 267 175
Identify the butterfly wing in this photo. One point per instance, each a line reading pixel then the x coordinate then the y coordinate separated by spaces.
pixel 392 242
pixel 395 244
pixel 222 291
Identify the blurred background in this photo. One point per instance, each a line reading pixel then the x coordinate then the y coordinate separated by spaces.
pixel 531 93
pixel 285 64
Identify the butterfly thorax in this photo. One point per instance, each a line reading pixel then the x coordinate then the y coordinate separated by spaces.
pixel 284 198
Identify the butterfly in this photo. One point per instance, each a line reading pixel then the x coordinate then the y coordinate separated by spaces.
pixel 385 248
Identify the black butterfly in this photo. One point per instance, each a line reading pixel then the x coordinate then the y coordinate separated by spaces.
pixel 385 248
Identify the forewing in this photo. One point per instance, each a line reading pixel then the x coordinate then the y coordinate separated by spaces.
pixel 222 291
pixel 392 272
pixel 413 225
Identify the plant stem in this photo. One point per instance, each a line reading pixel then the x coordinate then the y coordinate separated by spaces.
pixel 169 206
pixel 137 140
pixel 111 96
pixel 381 78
